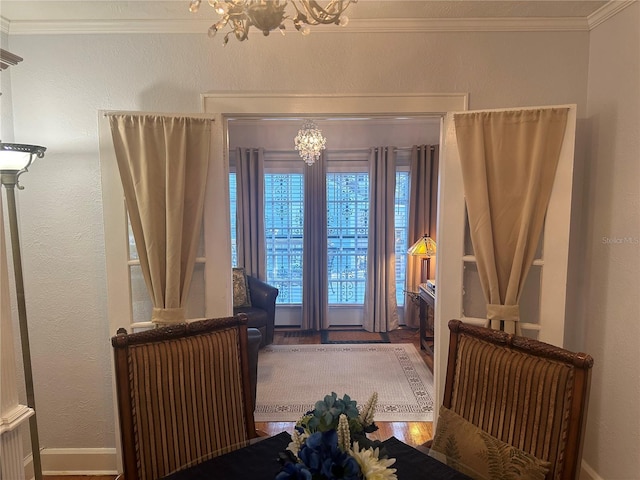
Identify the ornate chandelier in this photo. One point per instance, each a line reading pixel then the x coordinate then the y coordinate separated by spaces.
pixel 268 15
pixel 310 142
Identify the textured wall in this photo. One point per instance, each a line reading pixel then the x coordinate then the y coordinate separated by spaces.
pixel 65 79
pixel 612 236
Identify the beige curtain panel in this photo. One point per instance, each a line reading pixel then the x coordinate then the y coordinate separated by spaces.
pixel 163 163
pixel 423 208
pixel 509 160
pixel 380 305
pixel 250 211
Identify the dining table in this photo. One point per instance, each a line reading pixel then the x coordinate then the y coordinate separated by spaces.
pixel 260 461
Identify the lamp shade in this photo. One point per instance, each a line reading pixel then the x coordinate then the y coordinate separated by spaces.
pixel 14 160
pixel 424 247
pixel 15 157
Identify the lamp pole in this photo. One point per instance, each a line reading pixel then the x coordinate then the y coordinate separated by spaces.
pixel 9 179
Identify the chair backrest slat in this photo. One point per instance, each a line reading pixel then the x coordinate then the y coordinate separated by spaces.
pixel 526 393
pixel 183 395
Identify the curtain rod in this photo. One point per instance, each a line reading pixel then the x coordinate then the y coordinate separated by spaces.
pixel 204 116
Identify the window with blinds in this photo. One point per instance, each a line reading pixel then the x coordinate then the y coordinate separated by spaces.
pixel 347 234
pixel 283 224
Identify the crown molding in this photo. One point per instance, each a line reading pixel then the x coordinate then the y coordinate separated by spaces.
pixel 607 11
pixel 398 25
pixel 427 25
pixel 88 27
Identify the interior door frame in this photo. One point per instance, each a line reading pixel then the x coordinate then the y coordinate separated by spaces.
pixel 222 106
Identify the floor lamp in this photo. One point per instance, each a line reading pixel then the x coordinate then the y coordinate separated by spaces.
pixel 14 160
pixel 425 247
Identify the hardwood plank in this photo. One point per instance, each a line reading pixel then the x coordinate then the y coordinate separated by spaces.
pixel 411 433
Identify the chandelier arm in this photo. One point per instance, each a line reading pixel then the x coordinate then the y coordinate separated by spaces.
pixel 301 17
pixel 324 16
pixel 241 29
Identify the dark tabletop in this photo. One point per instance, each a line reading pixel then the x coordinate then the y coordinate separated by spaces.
pixel 260 462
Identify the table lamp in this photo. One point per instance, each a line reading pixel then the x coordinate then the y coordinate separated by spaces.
pixel 425 247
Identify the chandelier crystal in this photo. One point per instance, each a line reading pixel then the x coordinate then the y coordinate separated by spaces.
pixel 269 15
pixel 310 142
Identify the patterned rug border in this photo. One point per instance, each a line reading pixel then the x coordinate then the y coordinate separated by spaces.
pixel 324 338
pixel 423 392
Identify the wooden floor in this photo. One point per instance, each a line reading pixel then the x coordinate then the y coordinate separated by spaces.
pixel 412 433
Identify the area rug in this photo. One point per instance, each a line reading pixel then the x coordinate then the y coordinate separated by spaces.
pixel 353 336
pixel 291 378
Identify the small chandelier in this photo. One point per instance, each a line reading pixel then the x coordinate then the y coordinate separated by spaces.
pixel 268 15
pixel 310 142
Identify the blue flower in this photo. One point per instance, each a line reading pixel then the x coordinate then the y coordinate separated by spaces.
pixel 294 471
pixel 321 455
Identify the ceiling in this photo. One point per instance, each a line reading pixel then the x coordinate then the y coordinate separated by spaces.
pixel 81 16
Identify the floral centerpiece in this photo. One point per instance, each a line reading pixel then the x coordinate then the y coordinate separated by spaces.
pixel 330 442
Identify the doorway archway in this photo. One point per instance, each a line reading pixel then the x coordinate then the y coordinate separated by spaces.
pixel 222 106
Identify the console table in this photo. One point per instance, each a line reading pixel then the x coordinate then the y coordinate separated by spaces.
pixel 427 312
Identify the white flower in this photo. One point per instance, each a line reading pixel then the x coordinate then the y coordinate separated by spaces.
pixel 372 467
pixel 366 415
pixel 297 439
pixel 344 435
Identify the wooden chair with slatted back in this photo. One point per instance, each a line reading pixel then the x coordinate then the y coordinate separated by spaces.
pixel 529 394
pixel 183 394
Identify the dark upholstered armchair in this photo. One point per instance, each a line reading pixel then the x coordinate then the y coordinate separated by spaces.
pixel 262 312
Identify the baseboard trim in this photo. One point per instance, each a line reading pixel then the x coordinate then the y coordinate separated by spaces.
pixel 79 461
pixel 588 473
